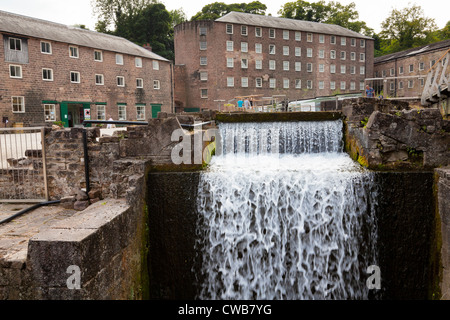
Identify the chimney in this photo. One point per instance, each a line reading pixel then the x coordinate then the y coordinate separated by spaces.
pixel 147 46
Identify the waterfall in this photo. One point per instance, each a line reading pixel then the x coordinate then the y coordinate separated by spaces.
pixel 284 213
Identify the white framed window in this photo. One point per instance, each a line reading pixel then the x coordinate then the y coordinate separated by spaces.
pixel 15 44
pixel 244 63
pixel 422 82
pixel 73 52
pixel 272 65
pixel 343 41
pixel 15 71
pixel 230 63
pixel 298 66
pixel 361 85
pixel 155 64
pixel 333 54
pixel 353 42
pixel 230 45
pixel 204 93
pixel 156 85
pixel 258 82
pixel 98 55
pixel 258 47
pixel 411 68
pixel 309 37
pixel 286 65
pixel 332 85
pixel 321 85
pixel 285 83
pixel 285 50
pixel 258 64
pixel 203 61
pixel 309 67
pixel 392 86
pixel 99 79
pixel 362 43
pixel 138 62
pixel 362 57
pixel 362 70
pixel 122 112
pixel 202 31
pixel 47 74
pixel 298 51
pixel 333 39
pixel 421 66
pixel 244 47
pixel 321 53
pixel 321 67
pixel 229 29
pixel 18 104
pixel 271 49
pixel 140 112
pixel 352 69
pixel 400 70
pixel 392 71
pixel 258 32
pixel 74 77
pixel 321 38
pixel 343 68
pixel 272 33
pixel 353 56
pixel 400 84
pixel 272 83
pixel 120 80
pixel 139 83
pixel 119 59
pixel 332 68
pixel 46 47
pixel 298 84
pixel 309 84
pixel 352 85
pixel 101 112
pixel 298 36
pixel 309 52
pixel 286 34
pixel 203 76
pixel 410 84
pixel 49 112
pixel 343 55
pixel 343 84
pixel 244 30
pixel 244 82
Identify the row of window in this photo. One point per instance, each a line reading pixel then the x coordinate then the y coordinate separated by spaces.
pixel 18 106
pixel 401 69
pixel 286 51
pixel 15 71
pixel 15 44
pixel 297 66
pixel 287 34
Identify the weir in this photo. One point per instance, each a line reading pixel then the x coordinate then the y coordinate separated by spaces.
pixel 284 213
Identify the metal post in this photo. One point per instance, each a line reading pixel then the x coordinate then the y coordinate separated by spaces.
pixel 86 161
pixel 44 164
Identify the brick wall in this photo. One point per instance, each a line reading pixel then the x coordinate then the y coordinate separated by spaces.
pixel 35 90
pixel 188 53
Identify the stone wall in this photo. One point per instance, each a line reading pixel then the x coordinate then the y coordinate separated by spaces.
pixel 383 134
pixel 443 199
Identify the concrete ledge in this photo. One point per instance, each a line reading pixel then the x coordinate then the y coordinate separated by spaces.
pixel 278 116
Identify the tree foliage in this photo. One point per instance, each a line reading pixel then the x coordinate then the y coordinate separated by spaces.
pixel 332 13
pixel 407 28
pixel 216 10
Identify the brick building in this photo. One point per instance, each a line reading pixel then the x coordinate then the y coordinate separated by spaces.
pixel 243 54
pixel 52 72
pixel 404 73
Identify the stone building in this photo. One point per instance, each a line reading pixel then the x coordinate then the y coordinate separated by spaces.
pixel 53 72
pixel 404 73
pixel 243 54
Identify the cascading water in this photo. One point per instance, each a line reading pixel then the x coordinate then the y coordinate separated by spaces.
pixel 285 214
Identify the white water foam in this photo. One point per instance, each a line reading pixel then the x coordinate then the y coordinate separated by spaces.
pixel 298 224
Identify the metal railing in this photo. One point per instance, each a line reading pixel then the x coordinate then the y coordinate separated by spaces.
pixel 23 176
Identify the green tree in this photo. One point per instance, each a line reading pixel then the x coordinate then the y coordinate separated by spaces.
pixel 216 10
pixel 405 29
pixel 333 13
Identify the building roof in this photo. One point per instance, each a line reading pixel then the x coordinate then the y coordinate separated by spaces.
pixel 288 24
pixel 412 52
pixel 31 27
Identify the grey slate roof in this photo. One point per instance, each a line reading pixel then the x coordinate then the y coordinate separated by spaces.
pixel 31 27
pixel 288 24
pixel 414 51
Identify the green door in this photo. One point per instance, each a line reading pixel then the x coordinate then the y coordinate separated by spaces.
pixel 64 108
pixel 155 109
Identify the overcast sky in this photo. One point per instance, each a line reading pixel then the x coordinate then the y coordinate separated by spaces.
pixel 80 11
